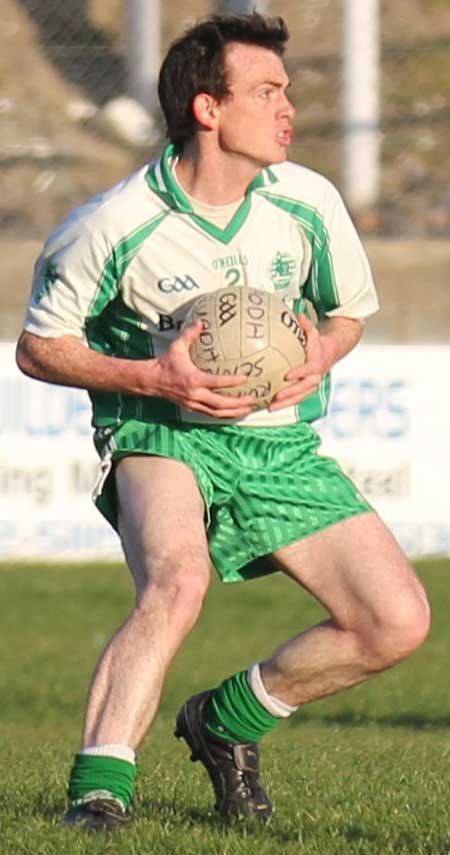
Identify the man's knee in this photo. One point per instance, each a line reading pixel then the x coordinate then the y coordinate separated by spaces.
pixel 399 631
pixel 178 583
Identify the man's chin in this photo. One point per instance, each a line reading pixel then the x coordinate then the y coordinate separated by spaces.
pixel 277 156
pixel 281 155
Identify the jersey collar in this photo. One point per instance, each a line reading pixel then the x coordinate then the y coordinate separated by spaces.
pixel 161 181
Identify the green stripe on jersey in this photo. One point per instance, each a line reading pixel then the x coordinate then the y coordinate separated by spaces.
pixel 114 329
pixel 316 404
pixel 320 286
pixel 121 332
pixel 118 261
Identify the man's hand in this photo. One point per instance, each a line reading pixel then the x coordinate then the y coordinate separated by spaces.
pixel 174 376
pixel 68 362
pixel 340 335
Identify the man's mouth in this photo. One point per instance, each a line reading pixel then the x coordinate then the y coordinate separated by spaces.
pixel 285 137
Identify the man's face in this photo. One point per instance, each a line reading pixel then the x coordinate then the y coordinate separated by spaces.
pixel 255 119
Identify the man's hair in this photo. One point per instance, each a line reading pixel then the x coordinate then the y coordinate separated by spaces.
pixel 195 63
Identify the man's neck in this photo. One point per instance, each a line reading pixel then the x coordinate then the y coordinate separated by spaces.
pixel 214 179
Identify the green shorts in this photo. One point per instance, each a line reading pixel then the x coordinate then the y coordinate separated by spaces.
pixel 263 488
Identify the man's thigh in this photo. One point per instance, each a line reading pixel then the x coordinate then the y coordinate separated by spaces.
pixel 161 516
pixel 355 569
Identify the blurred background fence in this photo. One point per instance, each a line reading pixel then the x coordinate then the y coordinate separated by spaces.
pixel 69 128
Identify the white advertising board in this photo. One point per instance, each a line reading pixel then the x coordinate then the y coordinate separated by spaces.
pixel 389 426
pixel 48 466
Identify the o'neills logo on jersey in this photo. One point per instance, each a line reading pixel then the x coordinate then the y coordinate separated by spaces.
pixel 281 270
pixel 176 284
pixel 224 262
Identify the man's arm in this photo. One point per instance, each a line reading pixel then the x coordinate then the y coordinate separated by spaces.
pixel 337 337
pixel 68 362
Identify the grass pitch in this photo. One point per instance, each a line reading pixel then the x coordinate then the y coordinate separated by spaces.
pixel 364 772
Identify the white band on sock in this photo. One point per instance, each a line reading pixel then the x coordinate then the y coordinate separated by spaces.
pixel 120 752
pixel 276 707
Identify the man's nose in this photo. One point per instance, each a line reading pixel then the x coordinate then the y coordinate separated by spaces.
pixel 286 107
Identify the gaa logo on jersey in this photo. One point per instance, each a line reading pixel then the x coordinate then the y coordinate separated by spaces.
pixel 281 270
pixel 176 284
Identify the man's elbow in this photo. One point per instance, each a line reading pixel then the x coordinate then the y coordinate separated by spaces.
pixel 359 324
pixel 25 356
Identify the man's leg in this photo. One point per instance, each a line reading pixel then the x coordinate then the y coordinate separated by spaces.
pixel 378 610
pixel 378 615
pixel 162 531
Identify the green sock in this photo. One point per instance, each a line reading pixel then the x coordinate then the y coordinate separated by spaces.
pixel 234 714
pixel 102 777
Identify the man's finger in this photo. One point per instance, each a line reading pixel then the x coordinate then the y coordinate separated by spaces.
pixel 306 323
pixel 215 399
pixel 191 333
pixel 221 381
pixel 305 385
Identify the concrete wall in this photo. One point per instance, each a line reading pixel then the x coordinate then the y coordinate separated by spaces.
pixel 413 280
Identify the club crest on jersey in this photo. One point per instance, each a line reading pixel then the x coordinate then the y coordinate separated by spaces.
pixel 281 270
pixel 176 284
pixel 50 276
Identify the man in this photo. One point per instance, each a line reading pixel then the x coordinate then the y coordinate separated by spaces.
pixel 190 477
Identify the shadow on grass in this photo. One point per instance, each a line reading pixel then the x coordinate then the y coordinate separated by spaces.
pixel 164 812
pixel 357 834
pixel 49 813
pixel 350 718
pixel 402 842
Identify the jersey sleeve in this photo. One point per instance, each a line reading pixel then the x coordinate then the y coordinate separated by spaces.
pixel 340 281
pixel 74 278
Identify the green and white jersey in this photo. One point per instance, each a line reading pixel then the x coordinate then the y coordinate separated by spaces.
pixel 120 272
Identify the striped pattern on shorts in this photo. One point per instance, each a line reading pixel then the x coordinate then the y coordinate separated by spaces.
pixel 263 488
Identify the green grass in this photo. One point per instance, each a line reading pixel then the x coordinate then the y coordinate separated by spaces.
pixel 367 771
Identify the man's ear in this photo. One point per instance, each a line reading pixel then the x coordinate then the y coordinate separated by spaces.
pixel 205 110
